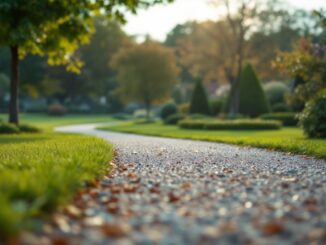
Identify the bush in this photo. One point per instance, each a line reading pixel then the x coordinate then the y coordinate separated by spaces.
pixel 232 116
pixel 25 128
pixel 241 124
pixel 199 102
pixel 174 119
pixel 218 105
pixel 184 108
pixel 287 118
pixel 57 110
pixel 275 92
pixel 168 109
pixel 8 128
pixel 121 116
pixel 281 107
pixel 252 99
pixel 198 116
pixel 313 117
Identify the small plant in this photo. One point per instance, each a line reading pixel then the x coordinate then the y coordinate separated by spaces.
pixel 174 119
pixel 8 128
pixel 57 110
pixel 287 118
pixel 168 109
pixel 313 117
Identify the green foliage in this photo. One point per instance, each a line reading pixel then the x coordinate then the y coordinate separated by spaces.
pixel 287 118
pixel 184 108
pixel 57 109
pixel 40 172
pixel 168 109
pixel 174 118
pixel 146 72
pixel 281 107
pixel 8 128
pixel 218 105
pixel 252 99
pixel 306 64
pixel 313 117
pixel 238 124
pixel 56 29
pixel 275 92
pixel 199 102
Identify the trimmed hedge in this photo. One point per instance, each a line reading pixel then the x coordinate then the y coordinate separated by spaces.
pixel 199 102
pixel 244 124
pixel 252 98
pixel 287 118
pixel 174 119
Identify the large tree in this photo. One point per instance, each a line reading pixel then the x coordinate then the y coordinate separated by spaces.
pixel 55 28
pixel 146 72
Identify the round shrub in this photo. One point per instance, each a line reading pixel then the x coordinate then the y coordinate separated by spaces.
pixel 275 92
pixel 313 117
pixel 281 107
pixel 25 128
pixel 287 118
pixel 57 110
pixel 252 99
pixel 174 119
pixel 168 109
pixel 8 128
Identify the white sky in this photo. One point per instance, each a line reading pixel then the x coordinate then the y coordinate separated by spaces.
pixel 157 21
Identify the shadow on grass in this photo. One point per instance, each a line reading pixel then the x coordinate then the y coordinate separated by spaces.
pixel 10 139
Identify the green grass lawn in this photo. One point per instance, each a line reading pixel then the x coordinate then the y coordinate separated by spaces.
pixel 286 139
pixel 39 172
pixel 47 123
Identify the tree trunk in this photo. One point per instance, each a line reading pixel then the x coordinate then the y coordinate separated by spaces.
pixel 14 86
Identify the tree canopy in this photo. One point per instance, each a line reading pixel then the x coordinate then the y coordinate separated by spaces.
pixel 146 72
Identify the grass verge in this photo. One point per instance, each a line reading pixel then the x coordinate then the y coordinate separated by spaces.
pixel 39 172
pixel 286 139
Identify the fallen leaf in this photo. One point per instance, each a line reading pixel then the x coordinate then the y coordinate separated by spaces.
pixel 115 230
pixel 272 228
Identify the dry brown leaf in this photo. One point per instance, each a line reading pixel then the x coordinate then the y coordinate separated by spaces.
pixel 272 228
pixel 115 230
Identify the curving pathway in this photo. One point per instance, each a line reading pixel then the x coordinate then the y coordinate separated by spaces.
pixel 171 191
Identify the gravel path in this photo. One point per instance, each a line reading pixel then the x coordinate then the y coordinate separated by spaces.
pixel 171 191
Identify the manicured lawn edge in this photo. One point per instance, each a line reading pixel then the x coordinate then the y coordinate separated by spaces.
pixel 43 171
pixel 302 147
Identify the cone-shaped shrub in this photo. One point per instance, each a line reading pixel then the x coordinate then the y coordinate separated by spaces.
pixel 199 102
pixel 252 98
